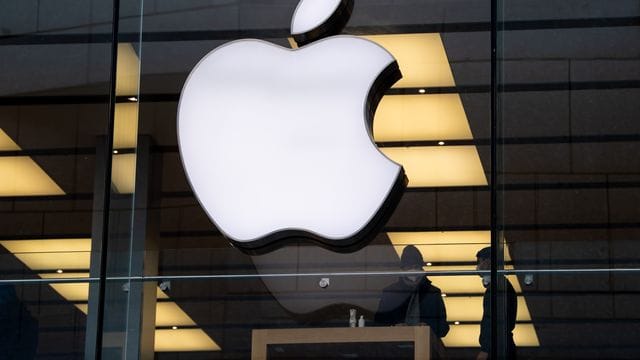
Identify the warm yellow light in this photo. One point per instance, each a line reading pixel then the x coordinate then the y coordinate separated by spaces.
pixel 464 284
pixel 161 294
pixel 429 166
pixel 69 291
pixel 83 307
pixel 123 174
pixel 442 246
pixel 169 313
pixel 421 57
pixel 440 238
pixel 170 340
pixel 442 253
pixel 127 70
pixel 47 246
pixel 468 237
pixel 469 308
pixel 6 143
pixel 51 254
pixel 125 131
pixel 525 335
pixel 451 246
pixel 467 284
pixel 21 176
pixel 58 254
pixel 466 335
pixel 421 117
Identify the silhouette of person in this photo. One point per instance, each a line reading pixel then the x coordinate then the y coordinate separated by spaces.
pixel 413 300
pixel 511 302
pixel 18 329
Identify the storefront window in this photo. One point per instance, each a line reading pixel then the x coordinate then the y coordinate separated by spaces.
pixel 108 252
pixel 54 116
pixel 568 177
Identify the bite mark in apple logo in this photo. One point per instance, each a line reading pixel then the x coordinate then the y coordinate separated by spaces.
pixel 277 144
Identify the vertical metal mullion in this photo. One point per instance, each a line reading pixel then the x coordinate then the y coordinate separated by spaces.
pixel 494 178
pixel 107 177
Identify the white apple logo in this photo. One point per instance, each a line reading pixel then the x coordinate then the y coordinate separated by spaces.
pixel 277 144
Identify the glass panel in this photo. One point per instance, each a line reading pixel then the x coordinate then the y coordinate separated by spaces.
pixel 43 321
pixel 54 116
pixel 569 84
pixel 169 265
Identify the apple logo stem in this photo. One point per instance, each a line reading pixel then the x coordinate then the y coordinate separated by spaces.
pixel 277 144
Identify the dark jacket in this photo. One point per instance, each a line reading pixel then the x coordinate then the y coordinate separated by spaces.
pixel 395 301
pixel 510 301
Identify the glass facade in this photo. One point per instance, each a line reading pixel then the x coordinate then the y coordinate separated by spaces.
pixel 516 123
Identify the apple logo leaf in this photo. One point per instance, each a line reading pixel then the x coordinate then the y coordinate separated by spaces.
pixel 277 143
pixel 316 19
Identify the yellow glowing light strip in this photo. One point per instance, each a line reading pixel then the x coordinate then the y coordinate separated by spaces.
pixel 69 291
pixel 21 176
pixel 51 254
pixel 169 313
pixel 127 70
pixel 469 308
pixel 422 59
pixel 436 166
pixel 421 117
pixel 440 237
pixel 462 246
pixel 125 131
pixel 466 335
pixel 74 254
pixel 466 284
pixel 123 174
pixel 6 143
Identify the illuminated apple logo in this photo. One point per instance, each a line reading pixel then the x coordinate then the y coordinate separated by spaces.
pixel 277 143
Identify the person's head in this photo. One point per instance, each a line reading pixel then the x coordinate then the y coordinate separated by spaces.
pixel 484 263
pixel 484 259
pixel 411 260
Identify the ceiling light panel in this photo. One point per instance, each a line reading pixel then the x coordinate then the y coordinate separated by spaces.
pixel 469 308
pixel 169 313
pixel 466 335
pixel 60 255
pixel 440 237
pixel 421 57
pixel 123 173
pixel 21 176
pixel 127 70
pixel 421 117
pixel 125 132
pixel 70 291
pixel 51 254
pixel 6 143
pixel 431 166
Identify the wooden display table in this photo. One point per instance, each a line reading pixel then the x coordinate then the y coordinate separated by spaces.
pixel 425 341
